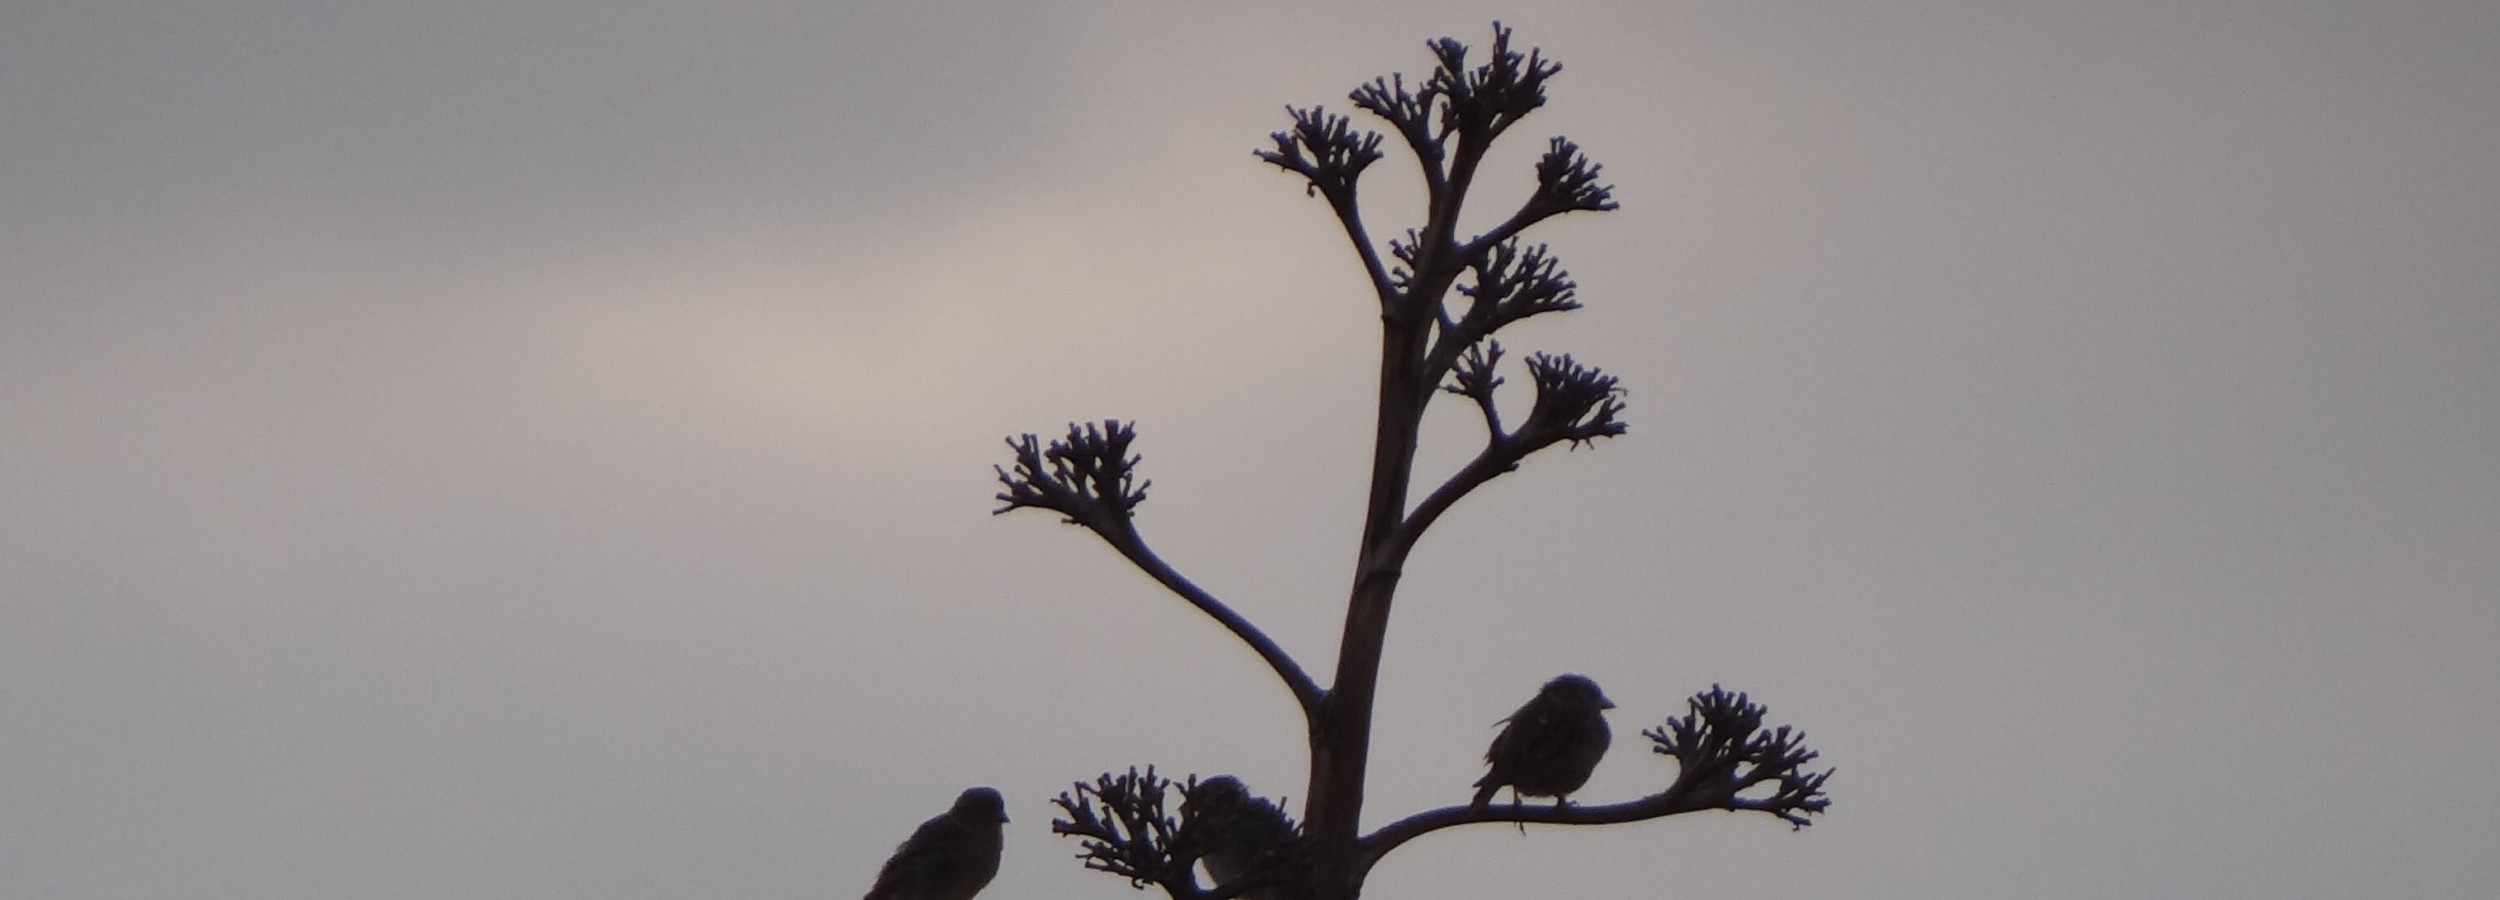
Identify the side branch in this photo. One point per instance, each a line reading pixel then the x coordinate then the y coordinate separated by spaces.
pixel 1657 806
pixel 1499 455
pixel 1090 478
pixel 1511 283
pixel 1306 692
pixel 1566 181
pixel 1575 403
pixel 1328 153
pixel 1384 284
pixel 1721 752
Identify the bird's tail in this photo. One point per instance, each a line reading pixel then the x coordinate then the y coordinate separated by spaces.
pixel 1485 789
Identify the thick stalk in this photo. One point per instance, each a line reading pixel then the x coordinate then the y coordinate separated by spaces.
pixel 1341 737
pixel 1341 742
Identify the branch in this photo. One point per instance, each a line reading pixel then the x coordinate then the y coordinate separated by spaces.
pixel 1566 181
pixel 1574 403
pixel 1474 106
pixel 1390 836
pixel 1404 251
pixel 1472 377
pixel 1330 155
pixel 1720 751
pixel 1306 692
pixel 1090 479
pixel 1500 455
pixel 1511 283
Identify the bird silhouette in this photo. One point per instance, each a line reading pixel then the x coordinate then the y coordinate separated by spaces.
pixel 1237 835
pixel 951 857
pixel 1549 747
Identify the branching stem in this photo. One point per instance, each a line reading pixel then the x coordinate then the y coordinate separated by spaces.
pixel 1449 121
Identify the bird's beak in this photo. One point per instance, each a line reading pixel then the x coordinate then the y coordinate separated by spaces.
pixel 1603 703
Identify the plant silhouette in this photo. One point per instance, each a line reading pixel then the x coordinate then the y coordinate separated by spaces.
pixel 1442 298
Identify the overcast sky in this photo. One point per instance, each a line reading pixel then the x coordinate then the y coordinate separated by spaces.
pixel 541 449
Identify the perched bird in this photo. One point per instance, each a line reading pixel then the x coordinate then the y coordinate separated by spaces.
pixel 951 857
pixel 1237 835
pixel 1549 747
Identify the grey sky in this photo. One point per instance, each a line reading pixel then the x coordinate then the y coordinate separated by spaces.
pixel 540 450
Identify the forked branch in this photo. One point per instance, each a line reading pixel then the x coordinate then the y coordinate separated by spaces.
pixel 1511 283
pixel 1575 403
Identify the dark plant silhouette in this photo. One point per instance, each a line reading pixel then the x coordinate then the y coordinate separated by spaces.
pixel 1442 297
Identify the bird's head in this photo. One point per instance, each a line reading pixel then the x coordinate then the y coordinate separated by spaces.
pixel 1218 793
pixel 980 805
pixel 1578 691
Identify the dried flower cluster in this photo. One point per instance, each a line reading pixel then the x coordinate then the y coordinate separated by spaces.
pixel 1125 826
pixel 1088 476
pixel 1722 752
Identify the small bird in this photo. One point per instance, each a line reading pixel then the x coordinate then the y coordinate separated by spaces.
pixel 951 857
pixel 1238 835
pixel 1549 747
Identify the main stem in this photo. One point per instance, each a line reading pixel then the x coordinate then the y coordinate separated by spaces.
pixel 1341 738
pixel 1341 734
